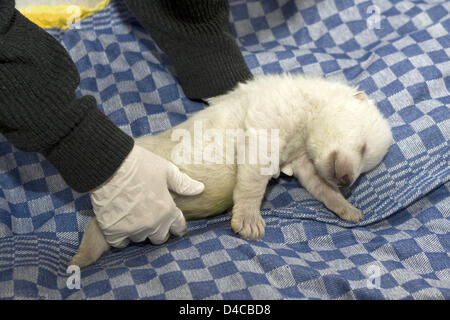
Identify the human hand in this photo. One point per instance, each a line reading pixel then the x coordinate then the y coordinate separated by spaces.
pixel 135 203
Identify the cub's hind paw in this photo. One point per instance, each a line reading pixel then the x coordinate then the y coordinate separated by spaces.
pixel 249 225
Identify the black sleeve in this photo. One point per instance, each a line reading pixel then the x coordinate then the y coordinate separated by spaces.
pixel 40 112
pixel 197 37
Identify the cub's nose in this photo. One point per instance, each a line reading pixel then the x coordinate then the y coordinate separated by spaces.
pixel 344 181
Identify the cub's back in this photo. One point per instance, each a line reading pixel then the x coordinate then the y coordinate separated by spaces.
pixel 219 178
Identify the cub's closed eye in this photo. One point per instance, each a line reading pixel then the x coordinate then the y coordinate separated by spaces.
pixel 363 150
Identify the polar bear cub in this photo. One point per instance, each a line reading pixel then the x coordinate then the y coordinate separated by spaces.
pixel 324 132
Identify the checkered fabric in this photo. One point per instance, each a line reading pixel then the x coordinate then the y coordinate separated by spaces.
pixel 397 51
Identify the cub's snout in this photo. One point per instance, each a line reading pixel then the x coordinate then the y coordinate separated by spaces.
pixel 344 169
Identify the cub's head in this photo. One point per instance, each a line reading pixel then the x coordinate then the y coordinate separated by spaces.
pixel 348 136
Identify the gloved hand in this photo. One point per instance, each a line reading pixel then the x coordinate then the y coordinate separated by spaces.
pixel 135 203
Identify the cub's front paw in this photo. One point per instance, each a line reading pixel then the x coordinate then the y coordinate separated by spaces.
pixel 350 213
pixel 250 225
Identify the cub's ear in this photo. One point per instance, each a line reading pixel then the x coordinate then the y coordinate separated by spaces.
pixel 360 95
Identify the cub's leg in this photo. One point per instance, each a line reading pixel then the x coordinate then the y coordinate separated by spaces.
pixel 247 196
pixel 92 246
pixel 306 173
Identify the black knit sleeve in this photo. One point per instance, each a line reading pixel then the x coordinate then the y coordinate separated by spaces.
pixel 197 37
pixel 40 112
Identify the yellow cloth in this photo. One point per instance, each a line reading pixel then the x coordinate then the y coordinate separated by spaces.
pixel 60 16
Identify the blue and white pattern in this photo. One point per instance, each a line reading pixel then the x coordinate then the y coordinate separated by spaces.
pixel 397 51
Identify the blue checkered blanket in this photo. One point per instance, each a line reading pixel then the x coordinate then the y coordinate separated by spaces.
pixel 397 51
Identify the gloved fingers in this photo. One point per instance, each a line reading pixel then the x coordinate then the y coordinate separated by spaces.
pixel 179 226
pixel 159 238
pixel 117 242
pixel 139 237
pixel 181 183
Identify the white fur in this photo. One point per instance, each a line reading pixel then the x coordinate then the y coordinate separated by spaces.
pixel 329 134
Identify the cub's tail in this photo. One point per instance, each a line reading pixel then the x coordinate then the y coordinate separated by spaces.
pixel 92 246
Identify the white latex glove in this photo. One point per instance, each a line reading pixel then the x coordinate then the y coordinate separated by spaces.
pixel 135 203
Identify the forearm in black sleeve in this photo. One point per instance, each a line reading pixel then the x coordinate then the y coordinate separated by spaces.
pixel 40 112
pixel 197 37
